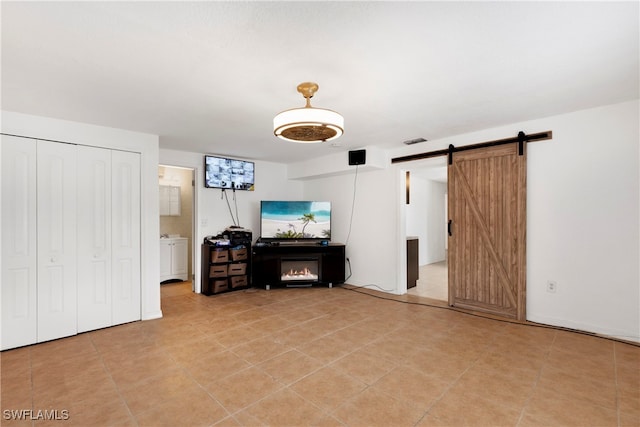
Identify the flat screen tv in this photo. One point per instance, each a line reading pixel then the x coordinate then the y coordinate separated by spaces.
pixel 221 172
pixel 294 220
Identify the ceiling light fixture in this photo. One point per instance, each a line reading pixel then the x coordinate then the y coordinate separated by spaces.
pixel 308 124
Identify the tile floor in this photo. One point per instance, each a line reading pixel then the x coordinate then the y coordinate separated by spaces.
pixel 432 282
pixel 321 357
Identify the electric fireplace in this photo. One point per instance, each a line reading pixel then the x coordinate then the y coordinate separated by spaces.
pixel 300 270
pixel 277 264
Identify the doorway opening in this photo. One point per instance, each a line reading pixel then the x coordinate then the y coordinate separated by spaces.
pixel 426 218
pixel 177 230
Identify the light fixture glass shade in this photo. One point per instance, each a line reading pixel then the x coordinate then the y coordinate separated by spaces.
pixel 308 124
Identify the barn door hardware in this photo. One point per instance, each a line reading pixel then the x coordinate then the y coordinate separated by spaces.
pixel 521 137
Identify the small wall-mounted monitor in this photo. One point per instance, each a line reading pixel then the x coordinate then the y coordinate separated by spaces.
pixel 222 172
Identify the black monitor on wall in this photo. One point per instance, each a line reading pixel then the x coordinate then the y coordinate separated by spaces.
pixel 226 173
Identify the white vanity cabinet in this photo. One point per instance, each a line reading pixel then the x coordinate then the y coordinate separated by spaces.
pixel 173 258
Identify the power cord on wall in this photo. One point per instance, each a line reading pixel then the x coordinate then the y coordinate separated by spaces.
pixel 367 286
pixel 353 204
pixel 223 195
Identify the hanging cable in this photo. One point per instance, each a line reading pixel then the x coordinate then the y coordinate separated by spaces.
pixel 224 196
pixel 235 202
pixel 353 204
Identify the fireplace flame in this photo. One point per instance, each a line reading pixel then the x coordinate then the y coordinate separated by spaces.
pixel 303 274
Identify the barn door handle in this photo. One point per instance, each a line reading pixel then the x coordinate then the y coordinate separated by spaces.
pixel 449 227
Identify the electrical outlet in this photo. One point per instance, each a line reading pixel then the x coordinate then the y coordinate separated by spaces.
pixel 552 286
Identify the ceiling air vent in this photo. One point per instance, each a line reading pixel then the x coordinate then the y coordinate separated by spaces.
pixel 413 141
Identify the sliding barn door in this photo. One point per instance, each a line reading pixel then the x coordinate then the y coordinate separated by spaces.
pixel 487 196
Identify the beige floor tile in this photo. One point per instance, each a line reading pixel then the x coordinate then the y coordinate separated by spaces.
pixel 547 408
pixel 243 388
pixel 290 367
pixel 327 388
pixel 235 336
pixel 193 409
pixel 214 367
pixel 260 349
pixel 440 364
pixel 197 349
pixel 511 387
pixel 554 381
pixel 372 408
pixel 459 407
pixel 411 386
pixel 323 357
pixel 432 282
pixel 148 394
pixel 327 349
pixel 126 373
pixel 285 408
pixel 364 366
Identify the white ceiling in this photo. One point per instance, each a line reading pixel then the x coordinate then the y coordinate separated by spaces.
pixel 209 77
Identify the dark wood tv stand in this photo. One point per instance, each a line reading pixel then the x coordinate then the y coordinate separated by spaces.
pixel 316 263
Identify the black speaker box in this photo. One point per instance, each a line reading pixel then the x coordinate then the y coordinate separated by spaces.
pixel 357 157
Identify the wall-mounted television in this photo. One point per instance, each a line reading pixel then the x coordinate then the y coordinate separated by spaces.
pixel 222 172
pixel 294 220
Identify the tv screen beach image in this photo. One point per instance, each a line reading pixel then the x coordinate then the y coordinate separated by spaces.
pixel 295 220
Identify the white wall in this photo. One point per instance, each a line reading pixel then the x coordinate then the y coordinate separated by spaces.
pixel 417 214
pixel 583 194
pixel 212 215
pixel 371 247
pixel 425 217
pixel 99 136
pixel 582 222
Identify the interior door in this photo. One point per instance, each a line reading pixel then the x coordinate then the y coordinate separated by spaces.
pixel 57 264
pixel 94 238
pixel 487 230
pixel 19 242
pixel 126 220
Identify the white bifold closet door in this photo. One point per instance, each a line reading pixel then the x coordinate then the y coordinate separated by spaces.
pixel 94 238
pixel 109 238
pixel 19 242
pixel 56 212
pixel 125 236
pixel 70 239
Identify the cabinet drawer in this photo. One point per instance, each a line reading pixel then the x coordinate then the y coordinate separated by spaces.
pixel 218 271
pixel 237 269
pixel 239 254
pixel 219 255
pixel 238 281
pixel 220 285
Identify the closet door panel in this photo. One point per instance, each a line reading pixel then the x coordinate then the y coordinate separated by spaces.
pixel 126 236
pixel 94 238
pixel 19 242
pixel 56 222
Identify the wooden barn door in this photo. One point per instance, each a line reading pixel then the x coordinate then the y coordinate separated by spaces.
pixel 487 230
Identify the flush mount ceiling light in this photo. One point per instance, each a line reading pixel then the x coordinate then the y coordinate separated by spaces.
pixel 308 124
